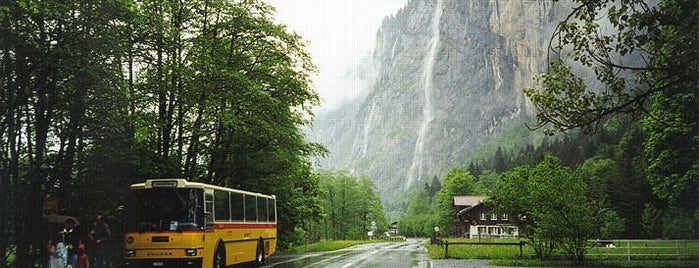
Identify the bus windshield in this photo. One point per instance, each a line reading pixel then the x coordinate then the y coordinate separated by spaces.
pixel 165 209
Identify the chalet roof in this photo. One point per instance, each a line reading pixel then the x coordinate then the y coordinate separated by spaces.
pixel 468 201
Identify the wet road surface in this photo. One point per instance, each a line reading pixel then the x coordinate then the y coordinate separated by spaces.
pixel 411 253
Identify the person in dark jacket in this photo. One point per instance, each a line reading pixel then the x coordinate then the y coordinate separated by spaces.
pixel 101 236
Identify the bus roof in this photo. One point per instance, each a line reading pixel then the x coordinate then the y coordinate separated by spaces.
pixel 184 183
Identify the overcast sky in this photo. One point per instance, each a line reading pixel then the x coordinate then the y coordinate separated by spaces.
pixel 340 33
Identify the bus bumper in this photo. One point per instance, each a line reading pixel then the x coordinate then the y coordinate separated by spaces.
pixel 149 263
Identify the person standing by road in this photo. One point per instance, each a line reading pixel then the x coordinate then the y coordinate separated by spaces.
pixel 57 254
pixel 70 238
pixel 101 235
pixel 83 260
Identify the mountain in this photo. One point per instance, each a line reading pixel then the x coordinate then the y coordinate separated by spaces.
pixel 447 80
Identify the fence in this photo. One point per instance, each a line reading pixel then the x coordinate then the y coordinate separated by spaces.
pixel 395 238
pixel 645 249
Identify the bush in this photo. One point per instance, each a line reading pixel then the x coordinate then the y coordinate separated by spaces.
pixel 679 225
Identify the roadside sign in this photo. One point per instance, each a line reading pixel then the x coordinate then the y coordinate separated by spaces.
pixel 50 207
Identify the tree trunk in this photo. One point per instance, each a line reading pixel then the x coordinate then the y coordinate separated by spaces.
pixel 31 236
pixel 7 166
pixel 192 150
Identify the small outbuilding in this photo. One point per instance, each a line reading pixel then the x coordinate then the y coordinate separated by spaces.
pixel 393 229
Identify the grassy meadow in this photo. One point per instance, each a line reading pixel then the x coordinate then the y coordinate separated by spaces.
pixel 327 245
pixel 625 253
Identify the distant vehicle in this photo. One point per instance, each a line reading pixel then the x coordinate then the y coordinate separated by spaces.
pixel 177 223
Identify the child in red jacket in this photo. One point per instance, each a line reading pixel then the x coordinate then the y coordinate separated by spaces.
pixel 83 260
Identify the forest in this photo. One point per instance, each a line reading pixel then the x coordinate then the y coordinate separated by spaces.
pixel 611 162
pixel 97 95
pixel 350 204
pixel 598 181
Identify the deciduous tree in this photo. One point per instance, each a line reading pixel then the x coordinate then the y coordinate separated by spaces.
pixel 349 204
pixel 459 182
pixel 550 203
pixel 644 56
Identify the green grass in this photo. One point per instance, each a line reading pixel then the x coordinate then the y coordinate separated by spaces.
pixel 648 250
pixel 479 251
pixel 643 253
pixel 327 245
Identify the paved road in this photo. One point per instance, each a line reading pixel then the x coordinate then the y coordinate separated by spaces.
pixel 408 254
pixel 411 253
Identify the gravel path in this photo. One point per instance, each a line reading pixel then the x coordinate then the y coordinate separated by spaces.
pixel 453 263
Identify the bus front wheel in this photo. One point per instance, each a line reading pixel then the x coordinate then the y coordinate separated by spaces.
pixel 220 256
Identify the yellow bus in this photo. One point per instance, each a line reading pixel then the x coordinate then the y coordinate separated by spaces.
pixel 177 223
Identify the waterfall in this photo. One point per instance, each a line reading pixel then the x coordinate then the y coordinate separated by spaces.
pixel 497 74
pixel 393 48
pixel 367 127
pixel 416 169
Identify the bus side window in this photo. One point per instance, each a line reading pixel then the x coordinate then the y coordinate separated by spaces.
pixel 237 207
pixel 271 209
pixel 261 209
pixel 208 211
pixel 250 208
pixel 222 206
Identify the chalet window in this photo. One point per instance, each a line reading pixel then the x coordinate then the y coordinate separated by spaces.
pixel 483 216
pixel 494 216
pixel 505 217
pixel 507 230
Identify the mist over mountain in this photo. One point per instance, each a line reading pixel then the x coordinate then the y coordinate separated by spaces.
pixel 446 78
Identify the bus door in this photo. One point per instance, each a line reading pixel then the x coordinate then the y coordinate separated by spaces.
pixel 209 210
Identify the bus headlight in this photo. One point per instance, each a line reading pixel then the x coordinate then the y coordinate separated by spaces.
pixel 130 253
pixel 191 252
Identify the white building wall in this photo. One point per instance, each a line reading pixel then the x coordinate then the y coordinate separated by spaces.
pixel 497 231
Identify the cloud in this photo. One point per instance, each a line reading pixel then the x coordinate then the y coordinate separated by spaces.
pixel 341 34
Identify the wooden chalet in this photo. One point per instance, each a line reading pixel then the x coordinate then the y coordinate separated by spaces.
pixel 473 219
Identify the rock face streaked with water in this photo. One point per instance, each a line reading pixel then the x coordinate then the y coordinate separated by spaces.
pixel 447 79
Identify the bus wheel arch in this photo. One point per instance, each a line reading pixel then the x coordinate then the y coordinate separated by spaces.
pixel 220 255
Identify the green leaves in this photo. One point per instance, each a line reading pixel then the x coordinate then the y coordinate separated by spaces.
pixel 226 89
pixel 349 204
pixel 565 101
pixel 645 63
pixel 104 94
pixel 550 204
pixel 570 97
pixel 459 182
pixel 672 145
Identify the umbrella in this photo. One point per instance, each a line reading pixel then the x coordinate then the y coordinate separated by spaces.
pixel 62 219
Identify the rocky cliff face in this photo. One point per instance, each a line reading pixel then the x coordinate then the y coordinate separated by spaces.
pixel 449 79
